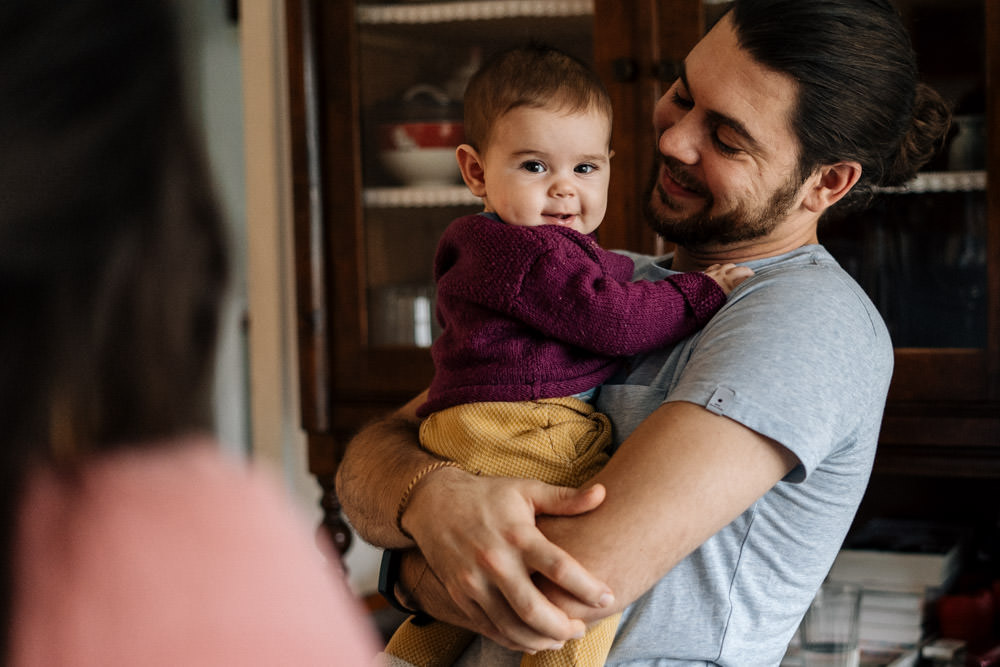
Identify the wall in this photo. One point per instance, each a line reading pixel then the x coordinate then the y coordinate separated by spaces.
pixel 235 75
pixel 270 277
pixel 212 65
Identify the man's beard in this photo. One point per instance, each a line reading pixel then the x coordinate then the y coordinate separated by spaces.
pixel 702 230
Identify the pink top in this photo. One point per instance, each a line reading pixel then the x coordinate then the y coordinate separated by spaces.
pixel 175 556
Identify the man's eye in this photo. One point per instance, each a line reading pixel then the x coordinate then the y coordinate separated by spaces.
pixel 534 166
pixel 722 146
pixel 585 169
pixel 681 101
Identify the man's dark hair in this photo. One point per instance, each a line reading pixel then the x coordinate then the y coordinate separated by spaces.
pixel 858 93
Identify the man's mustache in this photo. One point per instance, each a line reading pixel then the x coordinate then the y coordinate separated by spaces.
pixel 682 176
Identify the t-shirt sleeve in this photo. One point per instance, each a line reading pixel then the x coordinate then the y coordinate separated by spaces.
pixel 793 360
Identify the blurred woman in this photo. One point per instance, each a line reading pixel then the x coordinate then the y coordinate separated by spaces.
pixel 128 539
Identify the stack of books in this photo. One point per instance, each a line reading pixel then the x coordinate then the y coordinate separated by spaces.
pixel 902 566
pixel 891 620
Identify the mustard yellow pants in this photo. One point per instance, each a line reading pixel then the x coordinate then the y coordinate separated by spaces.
pixel 559 441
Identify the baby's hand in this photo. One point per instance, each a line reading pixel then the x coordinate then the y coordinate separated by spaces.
pixel 728 275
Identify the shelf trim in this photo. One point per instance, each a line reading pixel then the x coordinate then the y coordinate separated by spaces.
pixel 459 195
pixel 420 197
pixel 941 181
pixel 447 12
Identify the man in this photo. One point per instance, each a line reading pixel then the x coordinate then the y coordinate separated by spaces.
pixel 745 450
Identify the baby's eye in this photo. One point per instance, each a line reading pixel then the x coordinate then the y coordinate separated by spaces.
pixel 533 166
pixel 585 168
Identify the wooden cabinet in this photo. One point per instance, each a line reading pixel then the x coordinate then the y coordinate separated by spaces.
pixel 364 241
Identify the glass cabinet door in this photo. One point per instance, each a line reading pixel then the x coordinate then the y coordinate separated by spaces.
pixel 415 60
pixel 374 92
pixel 375 181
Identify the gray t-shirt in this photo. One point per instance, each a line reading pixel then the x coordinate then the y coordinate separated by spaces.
pixel 798 354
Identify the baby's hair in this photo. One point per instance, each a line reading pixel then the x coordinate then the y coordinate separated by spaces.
pixel 535 76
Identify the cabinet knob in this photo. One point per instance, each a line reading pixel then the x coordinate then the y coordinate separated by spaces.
pixel 625 70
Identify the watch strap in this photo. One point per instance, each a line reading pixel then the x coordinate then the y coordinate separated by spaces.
pixel 388 577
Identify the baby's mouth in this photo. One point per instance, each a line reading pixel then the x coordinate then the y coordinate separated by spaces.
pixel 559 218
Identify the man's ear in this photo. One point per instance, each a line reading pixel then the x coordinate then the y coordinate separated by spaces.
pixel 831 183
pixel 472 169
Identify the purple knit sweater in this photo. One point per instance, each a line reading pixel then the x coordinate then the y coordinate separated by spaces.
pixel 542 312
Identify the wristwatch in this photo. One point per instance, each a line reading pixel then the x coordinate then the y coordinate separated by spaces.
pixel 388 577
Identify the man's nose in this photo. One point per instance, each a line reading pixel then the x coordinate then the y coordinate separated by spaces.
pixel 679 139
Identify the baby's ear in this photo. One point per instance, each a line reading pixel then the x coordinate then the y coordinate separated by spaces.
pixel 472 169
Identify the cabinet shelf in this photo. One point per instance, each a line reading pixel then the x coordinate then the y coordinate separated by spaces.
pixel 420 197
pixel 447 12
pixel 942 181
pixel 459 195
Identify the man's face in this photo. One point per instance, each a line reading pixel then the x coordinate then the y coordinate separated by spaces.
pixel 726 168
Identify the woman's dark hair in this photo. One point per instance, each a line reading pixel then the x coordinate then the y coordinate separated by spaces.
pixel 113 261
pixel 859 97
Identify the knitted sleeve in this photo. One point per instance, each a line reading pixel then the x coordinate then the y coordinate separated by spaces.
pixel 579 303
pixel 565 286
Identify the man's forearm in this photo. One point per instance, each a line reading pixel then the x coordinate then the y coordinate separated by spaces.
pixel 385 456
pixel 459 518
pixel 680 477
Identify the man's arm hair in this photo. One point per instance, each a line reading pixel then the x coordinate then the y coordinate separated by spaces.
pixel 385 455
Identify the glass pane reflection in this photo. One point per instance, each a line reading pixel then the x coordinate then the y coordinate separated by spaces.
pixel 922 260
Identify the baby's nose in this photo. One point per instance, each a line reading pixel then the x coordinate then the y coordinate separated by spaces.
pixel 562 187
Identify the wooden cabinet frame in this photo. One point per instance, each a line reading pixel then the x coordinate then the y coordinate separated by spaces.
pixel 943 416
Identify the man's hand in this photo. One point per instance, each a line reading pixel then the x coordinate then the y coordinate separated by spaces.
pixel 480 539
pixel 728 275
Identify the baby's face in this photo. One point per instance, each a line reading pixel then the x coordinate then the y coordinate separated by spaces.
pixel 546 167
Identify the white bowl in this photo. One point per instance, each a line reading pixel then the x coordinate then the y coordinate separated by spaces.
pixel 422 166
